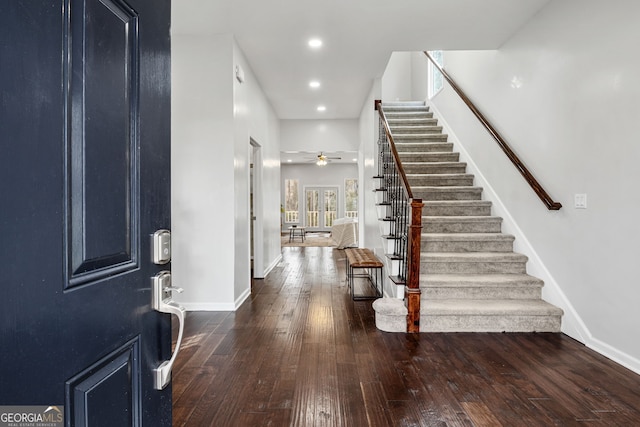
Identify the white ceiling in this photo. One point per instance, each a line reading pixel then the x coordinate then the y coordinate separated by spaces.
pixel 358 36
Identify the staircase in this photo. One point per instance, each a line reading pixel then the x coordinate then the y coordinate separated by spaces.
pixel 470 278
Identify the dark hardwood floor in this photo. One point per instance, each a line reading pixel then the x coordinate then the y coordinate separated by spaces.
pixel 300 352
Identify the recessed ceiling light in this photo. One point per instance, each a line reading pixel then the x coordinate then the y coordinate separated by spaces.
pixel 289 160
pixel 321 108
pixel 314 84
pixel 315 43
pixel 355 160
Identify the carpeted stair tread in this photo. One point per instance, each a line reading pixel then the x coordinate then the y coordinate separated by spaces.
pixel 454 257
pixel 417 147
pixel 421 136
pixel 466 242
pixel 398 129
pixel 484 280
pixel 447 193
pixel 442 180
pixel 456 208
pixel 412 121
pixel 489 307
pixel 434 167
pixel 460 218
pixel 461 224
pixel 472 263
pixel 457 237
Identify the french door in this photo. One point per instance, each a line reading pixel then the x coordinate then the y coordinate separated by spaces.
pixel 321 206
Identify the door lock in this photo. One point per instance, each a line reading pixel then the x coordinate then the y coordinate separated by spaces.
pixel 161 247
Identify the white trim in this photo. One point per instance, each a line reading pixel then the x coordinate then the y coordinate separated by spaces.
pixel 242 298
pixel 255 153
pixel 208 306
pixel 272 265
pixel 614 354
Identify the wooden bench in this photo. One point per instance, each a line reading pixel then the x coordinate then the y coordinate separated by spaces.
pixel 364 259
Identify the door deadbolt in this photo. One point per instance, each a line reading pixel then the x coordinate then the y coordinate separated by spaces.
pixel 161 247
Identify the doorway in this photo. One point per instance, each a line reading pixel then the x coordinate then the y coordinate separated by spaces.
pixel 255 210
pixel 321 208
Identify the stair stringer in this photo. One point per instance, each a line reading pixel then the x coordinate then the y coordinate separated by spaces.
pixel 572 323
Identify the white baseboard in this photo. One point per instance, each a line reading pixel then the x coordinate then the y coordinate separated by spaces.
pixel 196 306
pixel 272 265
pixel 242 298
pixel 614 354
pixel 212 306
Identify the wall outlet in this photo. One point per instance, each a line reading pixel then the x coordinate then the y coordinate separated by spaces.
pixel 580 201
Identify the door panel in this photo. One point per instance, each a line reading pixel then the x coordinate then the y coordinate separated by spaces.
pixel 102 110
pixel 321 204
pixel 312 206
pixel 330 207
pixel 84 183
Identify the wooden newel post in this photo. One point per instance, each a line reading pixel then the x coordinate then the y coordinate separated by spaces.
pixel 412 287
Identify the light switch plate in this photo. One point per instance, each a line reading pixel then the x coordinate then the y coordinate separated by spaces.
pixel 580 201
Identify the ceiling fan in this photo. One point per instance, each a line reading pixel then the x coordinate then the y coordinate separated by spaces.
pixel 322 160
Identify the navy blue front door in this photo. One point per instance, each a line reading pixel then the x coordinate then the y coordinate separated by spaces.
pixel 84 183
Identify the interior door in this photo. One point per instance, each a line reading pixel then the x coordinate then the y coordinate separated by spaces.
pixel 321 205
pixel 84 183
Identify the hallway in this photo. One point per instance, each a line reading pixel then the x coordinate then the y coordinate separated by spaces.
pixel 299 352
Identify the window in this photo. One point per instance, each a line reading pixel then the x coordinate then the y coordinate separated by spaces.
pixel 291 196
pixel 351 198
pixel 436 81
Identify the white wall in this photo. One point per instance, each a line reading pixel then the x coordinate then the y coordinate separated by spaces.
pixel 405 77
pixel 213 119
pixel 202 136
pixel 319 135
pixel 419 73
pixel 397 80
pixel 564 92
pixel 255 119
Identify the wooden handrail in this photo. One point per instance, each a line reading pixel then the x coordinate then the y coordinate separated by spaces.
pixel 394 151
pixel 535 185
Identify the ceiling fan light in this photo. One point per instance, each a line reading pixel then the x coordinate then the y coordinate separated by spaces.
pixel 321 162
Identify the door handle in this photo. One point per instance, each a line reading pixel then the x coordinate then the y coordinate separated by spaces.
pixel 161 301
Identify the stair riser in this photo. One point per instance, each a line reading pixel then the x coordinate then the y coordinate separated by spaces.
pixel 437 267
pixel 411 122
pixel 397 115
pixel 410 148
pixel 464 210
pixel 402 130
pixel 512 292
pixel 441 181
pixel 405 105
pixel 456 323
pixel 429 157
pixel 448 194
pixel 434 168
pixel 466 246
pixel 421 138
pixel 491 225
